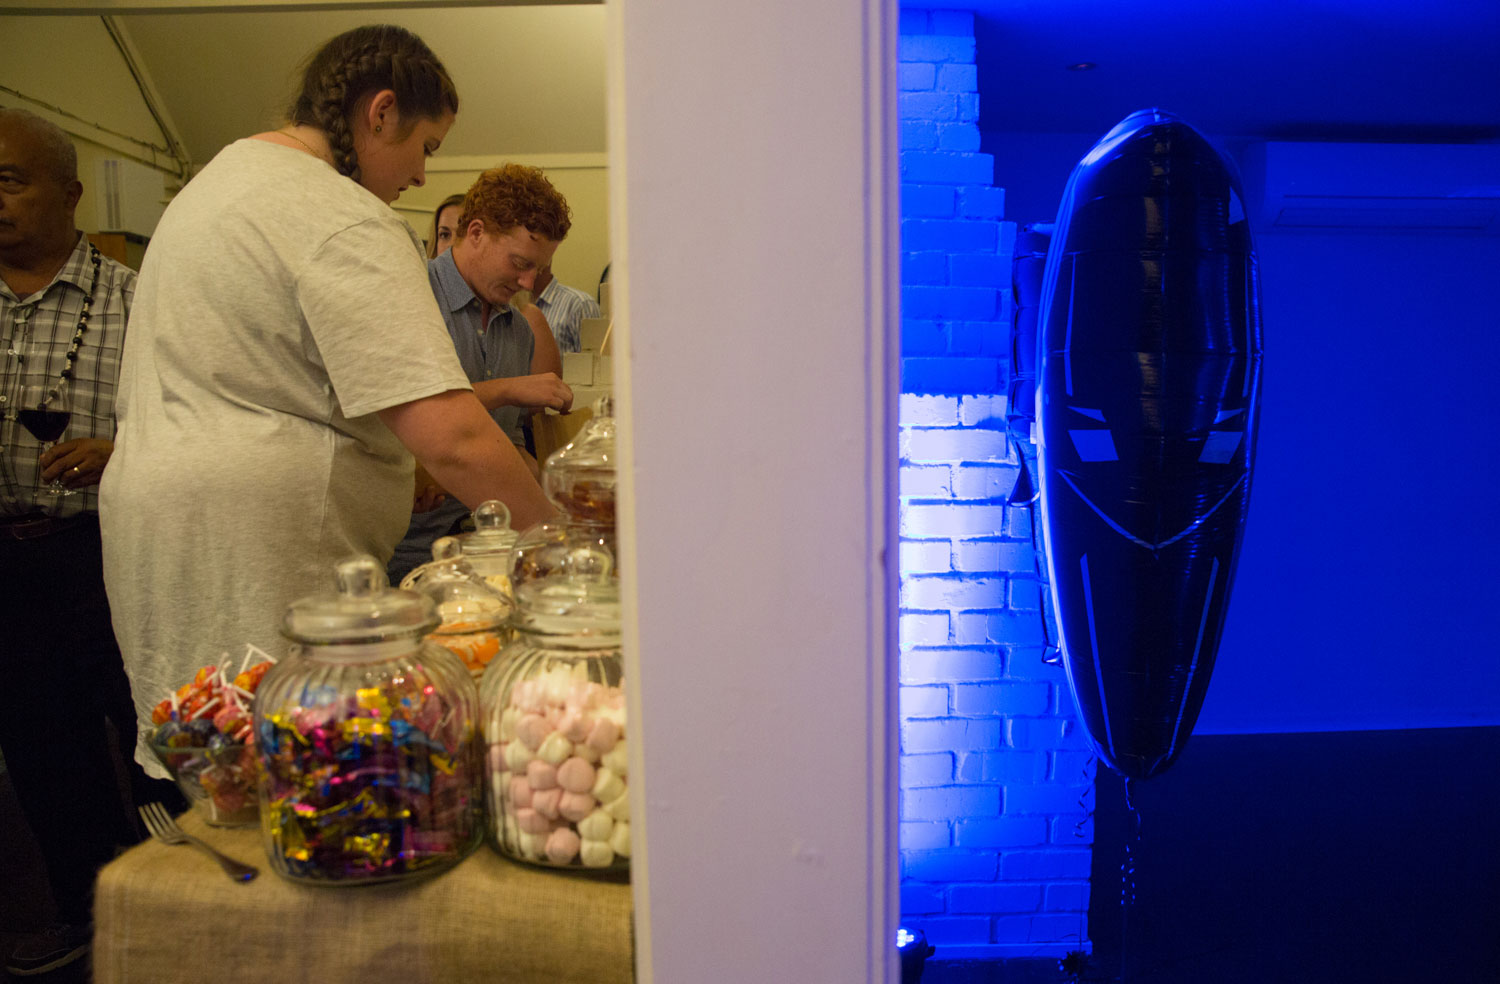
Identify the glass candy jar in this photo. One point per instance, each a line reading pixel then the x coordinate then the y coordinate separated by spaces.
pixel 580 479
pixel 553 714
pixel 580 476
pixel 370 769
pixel 488 546
pixel 474 612
pixel 542 550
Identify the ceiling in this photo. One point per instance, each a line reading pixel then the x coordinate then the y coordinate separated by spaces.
pixel 1374 70
pixel 530 78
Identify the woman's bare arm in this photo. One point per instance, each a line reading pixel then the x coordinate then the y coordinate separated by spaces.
pixel 468 454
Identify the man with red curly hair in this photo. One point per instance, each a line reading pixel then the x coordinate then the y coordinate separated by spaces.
pixel 511 222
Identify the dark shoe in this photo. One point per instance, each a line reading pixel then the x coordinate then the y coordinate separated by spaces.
pixel 56 946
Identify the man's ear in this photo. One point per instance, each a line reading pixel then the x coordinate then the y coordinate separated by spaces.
pixel 475 229
pixel 72 194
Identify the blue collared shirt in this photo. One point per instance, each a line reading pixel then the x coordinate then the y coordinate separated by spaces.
pixel 499 350
pixel 565 307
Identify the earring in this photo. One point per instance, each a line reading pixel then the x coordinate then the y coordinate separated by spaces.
pixel 377 128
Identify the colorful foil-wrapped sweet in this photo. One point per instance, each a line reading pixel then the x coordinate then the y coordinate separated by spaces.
pixel 369 766
pixel 375 784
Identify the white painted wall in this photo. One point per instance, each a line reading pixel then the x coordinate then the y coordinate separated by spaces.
pixel 68 71
pixel 752 159
pixel 71 62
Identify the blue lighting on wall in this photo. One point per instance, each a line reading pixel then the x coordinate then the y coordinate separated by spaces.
pixel 1370 533
pixel 996 784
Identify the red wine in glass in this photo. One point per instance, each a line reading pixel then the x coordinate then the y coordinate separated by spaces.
pixel 46 417
pixel 45 425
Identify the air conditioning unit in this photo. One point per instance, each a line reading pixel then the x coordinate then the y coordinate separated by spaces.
pixel 130 197
pixel 1419 187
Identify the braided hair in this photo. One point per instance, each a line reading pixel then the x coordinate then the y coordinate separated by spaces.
pixel 359 63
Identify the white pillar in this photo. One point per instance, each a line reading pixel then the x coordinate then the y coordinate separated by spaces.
pixel 752 155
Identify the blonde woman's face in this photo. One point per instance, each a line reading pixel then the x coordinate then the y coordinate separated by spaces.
pixel 447 228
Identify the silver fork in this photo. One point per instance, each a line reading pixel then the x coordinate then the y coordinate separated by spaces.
pixel 165 829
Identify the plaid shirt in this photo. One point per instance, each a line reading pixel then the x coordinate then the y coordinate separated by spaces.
pixel 35 333
pixel 565 307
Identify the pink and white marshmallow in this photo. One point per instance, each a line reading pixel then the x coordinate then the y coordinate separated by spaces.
pixel 619 839
pixel 555 749
pixel 607 785
pixel 562 846
pixel 541 775
pixel 596 854
pixel 575 775
pixel 576 806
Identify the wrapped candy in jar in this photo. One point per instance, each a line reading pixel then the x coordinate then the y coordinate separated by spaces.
pixel 475 614
pixel 553 712
pixel 367 739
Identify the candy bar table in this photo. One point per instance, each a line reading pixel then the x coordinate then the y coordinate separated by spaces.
pixel 167 914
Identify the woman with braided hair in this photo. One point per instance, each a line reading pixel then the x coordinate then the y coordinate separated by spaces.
pixel 284 362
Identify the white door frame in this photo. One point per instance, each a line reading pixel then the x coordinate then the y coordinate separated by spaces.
pixel 754 250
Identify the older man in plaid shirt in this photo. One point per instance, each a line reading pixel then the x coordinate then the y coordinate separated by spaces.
pixel 63 308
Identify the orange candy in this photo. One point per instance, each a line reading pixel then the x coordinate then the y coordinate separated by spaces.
pixel 476 650
pixel 250 679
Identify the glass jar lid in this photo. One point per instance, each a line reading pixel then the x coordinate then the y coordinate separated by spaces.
pixel 580 597
pixel 492 533
pixel 544 549
pixel 362 609
pixel 462 597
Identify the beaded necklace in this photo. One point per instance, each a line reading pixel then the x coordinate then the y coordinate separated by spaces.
pixel 78 333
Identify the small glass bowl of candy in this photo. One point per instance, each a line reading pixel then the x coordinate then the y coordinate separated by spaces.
pixel 218 779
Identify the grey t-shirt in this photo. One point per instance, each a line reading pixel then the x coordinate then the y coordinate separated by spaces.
pixel 280 305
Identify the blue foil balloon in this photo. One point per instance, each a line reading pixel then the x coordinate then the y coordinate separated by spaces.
pixel 1148 398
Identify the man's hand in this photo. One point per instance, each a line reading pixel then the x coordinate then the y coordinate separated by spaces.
pixel 77 463
pixel 538 391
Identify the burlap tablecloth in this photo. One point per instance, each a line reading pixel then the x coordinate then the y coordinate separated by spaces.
pixel 166 914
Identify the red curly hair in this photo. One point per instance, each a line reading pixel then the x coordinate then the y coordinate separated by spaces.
pixel 516 195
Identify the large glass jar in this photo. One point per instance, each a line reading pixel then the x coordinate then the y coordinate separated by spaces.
pixel 370 769
pixel 580 476
pixel 553 712
pixel 474 612
pixel 580 479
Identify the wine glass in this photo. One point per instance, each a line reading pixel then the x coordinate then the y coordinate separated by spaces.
pixel 45 412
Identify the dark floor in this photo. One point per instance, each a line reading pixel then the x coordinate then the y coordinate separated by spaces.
pixel 1305 859
pixel 1359 857
pixel 25 906
pixel 1021 971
